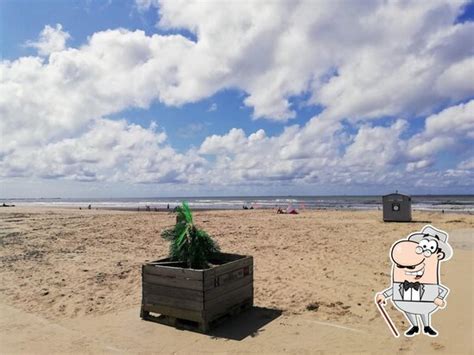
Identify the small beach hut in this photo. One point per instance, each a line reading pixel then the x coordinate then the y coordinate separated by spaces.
pixel 396 208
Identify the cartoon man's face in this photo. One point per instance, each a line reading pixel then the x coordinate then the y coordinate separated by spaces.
pixel 416 261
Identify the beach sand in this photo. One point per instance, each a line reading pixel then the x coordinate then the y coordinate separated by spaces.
pixel 70 282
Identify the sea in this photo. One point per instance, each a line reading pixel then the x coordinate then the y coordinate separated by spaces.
pixel 447 203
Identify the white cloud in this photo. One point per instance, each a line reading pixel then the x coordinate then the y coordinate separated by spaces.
pixel 315 153
pixel 447 129
pixel 387 64
pixel 51 39
pixel 455 79
pixel 421 164
pixel 293 155
pixel 230 142
pixel 377 146
pixel 44 101
pixel 272 51
pixel 467 164
pixel 108 151
pixel 457 120
pixel 359 60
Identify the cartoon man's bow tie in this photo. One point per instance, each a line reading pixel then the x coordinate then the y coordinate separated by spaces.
pixel 408 284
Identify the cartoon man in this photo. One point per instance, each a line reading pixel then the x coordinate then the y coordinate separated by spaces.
pixel 416 288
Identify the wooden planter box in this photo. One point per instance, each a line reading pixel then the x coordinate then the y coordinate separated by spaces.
pixel 196 299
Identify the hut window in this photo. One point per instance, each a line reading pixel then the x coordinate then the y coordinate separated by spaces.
pixel 396 207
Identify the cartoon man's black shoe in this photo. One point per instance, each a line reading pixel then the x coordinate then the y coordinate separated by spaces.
pixel 430 331
pixel 412 331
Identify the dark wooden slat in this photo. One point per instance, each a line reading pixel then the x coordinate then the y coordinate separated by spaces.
pixel 229 268
pixel 167 263
pixel 232 265
pixel 173 282
pixel 230 297
pixel 179 293
pixel 222 258
pixel 161 300
pixel 233 296
pixel 221 304
pixel 169 271
pixel 173 312
pixel 158 261
pixel 222 290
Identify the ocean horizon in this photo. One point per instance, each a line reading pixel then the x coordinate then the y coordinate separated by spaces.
pixel 448 203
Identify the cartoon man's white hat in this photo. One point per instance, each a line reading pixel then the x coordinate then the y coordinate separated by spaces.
pixel 431 233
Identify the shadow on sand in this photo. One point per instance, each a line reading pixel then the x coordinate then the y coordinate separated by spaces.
pixel 248 323
pixel 237 327
pixel 407 222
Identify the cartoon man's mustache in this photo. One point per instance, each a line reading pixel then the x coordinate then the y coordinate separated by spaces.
pixel 410 267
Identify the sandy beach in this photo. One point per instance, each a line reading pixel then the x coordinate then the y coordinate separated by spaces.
pixel 70 282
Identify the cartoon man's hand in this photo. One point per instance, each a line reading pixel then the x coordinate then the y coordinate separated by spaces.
pixel 380 298
pixel 439 302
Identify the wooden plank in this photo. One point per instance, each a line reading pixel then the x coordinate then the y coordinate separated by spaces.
pixel 230 312
pixel 179 293
pixel 217 275
pixel 159 260
pixel 168 263
pixel 161 300
pixel 232 265
pixel 220 305
pixel 190 274
pixel 173 282
pixel 225 257
pixel 223 289
pixel 173 312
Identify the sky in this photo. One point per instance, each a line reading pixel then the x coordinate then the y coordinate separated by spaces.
pixel 148 98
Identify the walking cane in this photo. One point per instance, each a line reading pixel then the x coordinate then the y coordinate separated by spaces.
pixel 388 320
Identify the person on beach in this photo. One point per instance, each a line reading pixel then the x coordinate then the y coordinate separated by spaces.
pixel 289 210
pixel 416 289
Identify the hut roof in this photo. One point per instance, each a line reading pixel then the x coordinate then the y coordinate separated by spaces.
pixel 395 194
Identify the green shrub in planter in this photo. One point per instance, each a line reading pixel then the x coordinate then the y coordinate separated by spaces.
pixel 189 244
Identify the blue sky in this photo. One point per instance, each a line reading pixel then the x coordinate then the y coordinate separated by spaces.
pixel 278 100
pixel 82 18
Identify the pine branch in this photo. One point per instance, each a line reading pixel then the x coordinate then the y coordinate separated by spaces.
pixel 188 243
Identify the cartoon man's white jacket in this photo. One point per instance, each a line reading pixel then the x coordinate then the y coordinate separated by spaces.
pixel 415 292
